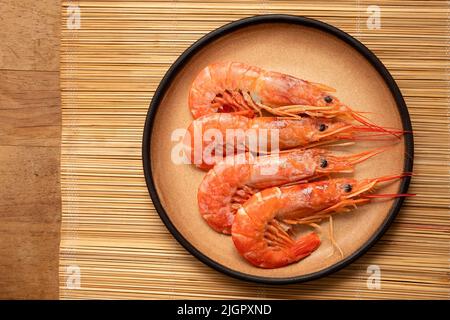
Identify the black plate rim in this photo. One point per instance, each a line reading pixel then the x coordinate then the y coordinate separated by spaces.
pixel 228 28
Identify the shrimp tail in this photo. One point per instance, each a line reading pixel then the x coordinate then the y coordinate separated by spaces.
pixel 304 246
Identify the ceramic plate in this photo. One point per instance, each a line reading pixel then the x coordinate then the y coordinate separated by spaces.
pixel 307 49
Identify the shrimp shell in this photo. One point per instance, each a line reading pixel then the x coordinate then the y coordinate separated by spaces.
pixel 257 233
pixel 238 87
pixel 230 183
pixel 288 133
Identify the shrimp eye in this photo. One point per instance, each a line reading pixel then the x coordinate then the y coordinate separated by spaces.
pixel 322 127
pixel 323 163
pixel 347 187
pixel 328 99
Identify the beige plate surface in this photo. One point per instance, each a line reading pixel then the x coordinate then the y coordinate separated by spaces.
pixel 306 53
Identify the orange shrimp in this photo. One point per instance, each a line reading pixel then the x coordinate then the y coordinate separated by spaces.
pixel 246 90
pixel 230 183
pixel 212 137
pixel 261 231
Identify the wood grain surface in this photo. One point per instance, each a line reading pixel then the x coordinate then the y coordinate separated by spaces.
pixel 30 121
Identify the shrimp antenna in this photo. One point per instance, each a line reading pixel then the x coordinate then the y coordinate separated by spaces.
pixel 376 128
pixel 388 195
pixel 362 156
pixel 393 177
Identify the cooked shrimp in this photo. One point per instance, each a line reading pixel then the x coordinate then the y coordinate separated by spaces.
pixel 246 90
pixel 230 183
pixel 259 229
pixel 212 137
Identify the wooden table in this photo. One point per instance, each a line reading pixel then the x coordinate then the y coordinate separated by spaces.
pixel 30 130
pixel 30 120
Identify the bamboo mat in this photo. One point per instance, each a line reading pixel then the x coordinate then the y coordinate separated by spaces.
pixel 110 68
